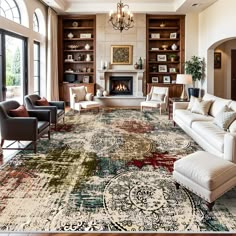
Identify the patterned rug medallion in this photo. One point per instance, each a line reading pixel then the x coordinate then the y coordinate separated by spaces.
pixel 110 171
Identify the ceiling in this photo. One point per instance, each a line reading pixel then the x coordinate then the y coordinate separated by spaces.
pixel 136 6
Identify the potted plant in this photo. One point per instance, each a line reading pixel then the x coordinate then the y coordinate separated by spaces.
pixel 172 57
pixel 194 67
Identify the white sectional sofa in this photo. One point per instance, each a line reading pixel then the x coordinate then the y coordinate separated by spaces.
pixel 204 131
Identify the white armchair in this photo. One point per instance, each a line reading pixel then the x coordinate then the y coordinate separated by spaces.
pixel 80 99
pixel 157 98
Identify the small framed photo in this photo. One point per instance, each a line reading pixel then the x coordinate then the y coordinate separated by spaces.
pixel 85 36
pixel 86 79
pixel 173 35
pixel 172 70
pixel 70 57
pixel 155 36
pixel 154 79
pixel 161 57
pixel 162 68
pixel 166 79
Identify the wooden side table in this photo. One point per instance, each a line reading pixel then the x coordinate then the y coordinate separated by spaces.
pixel 170 104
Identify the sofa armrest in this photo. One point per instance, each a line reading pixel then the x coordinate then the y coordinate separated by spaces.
pixel 180 105
pixel 230 147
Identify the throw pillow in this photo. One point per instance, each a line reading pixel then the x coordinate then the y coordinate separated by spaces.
pixel 232 127
pixel 80 93
pixel 201 107
pixel 19 112
pixel 191 102
pixel 224 119
pixel 157 97
pixel 42 102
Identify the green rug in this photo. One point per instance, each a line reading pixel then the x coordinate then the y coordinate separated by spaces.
pixel 110 171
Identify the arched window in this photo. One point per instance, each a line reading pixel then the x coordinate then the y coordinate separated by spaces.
pixel 10 10
pixel 35 22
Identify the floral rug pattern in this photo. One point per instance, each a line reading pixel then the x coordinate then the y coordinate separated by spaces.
pixel 107 171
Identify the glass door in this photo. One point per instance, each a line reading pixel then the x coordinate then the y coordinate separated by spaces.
pixel 14 67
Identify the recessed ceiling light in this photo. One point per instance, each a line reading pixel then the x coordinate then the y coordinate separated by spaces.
pixel 195 5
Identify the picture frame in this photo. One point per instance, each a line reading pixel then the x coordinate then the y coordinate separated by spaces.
pixel 162 68
pixel 161 57
pixel 85 36
pixel 217 60
pixel 172 70
pixel 155 36
pixel 166 79
pixel 154 79
pixel 121 54
pixel 86 79
pixel 173 35
pixel 70 57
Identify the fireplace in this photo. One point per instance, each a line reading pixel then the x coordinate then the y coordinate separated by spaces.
pixel 121 85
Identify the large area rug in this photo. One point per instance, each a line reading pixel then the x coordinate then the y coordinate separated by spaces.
pixel 110 171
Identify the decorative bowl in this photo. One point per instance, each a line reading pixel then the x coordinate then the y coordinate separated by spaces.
pixel 73 46
pixel 162 25
pixel 164 47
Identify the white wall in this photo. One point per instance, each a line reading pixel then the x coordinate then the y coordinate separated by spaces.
pixel 216 24
pixel 28 32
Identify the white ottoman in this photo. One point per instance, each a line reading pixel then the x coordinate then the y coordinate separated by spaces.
pixel 206 175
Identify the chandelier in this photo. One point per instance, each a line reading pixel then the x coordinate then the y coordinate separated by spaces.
pixel 122 19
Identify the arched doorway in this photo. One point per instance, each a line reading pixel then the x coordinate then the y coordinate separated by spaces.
pixel 222 67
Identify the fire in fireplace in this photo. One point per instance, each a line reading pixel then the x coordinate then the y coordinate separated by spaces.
pixel 121 85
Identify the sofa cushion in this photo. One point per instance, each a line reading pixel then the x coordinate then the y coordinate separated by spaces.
pixel 19 112
pixel 211 133
pixel 201 107
pixel 188 117
pixel 217 105
pixel 224 118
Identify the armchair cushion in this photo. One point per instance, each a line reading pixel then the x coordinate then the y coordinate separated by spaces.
pixel 80 93
pixel 157 97
pixel 19 112
pixel 42 102
pixel 88 97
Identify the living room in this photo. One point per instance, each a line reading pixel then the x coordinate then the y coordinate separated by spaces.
pixel 111 168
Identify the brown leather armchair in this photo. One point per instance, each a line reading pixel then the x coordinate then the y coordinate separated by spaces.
pixel 57 108
pixel 23 128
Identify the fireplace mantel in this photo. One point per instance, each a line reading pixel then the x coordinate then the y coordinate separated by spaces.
pixel 137 76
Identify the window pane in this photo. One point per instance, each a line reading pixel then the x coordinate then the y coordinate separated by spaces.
pixel 10 10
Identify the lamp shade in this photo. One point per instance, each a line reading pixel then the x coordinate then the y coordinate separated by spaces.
pixel 184 79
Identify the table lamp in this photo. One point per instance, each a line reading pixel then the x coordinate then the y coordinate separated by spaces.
pixel 184 79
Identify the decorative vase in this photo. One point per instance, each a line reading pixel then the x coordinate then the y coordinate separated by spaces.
pixel 174 47
pixel 105 93
pixel 87 46
pixel 140 63
pixel 88 57
pixel 99 93
pixel 136 66
pixel 70 35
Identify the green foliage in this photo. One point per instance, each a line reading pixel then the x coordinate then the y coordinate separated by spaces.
pixel 195 67
pixel 13 68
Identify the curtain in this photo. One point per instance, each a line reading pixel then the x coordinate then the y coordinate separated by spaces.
pixel 52 57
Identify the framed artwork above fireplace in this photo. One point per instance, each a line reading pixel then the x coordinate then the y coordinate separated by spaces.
pixel 121 54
